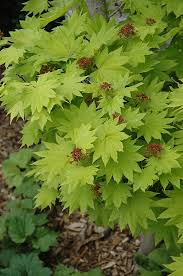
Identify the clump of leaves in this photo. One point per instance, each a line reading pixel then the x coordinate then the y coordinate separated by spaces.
pixel 24 264
pixel 21 223
pixel 128 138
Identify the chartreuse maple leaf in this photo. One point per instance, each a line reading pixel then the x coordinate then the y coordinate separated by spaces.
pixel 135 5
pixel 83 200
pixel 155 124
pixel 176 266
pixel 53 161
pixel 174 6
pixel 134 213
pixel 174 177
pixel 45 197
pixel 31 22
pixel 31 133
pixel 14 105
pixel 58 45
pixel 155 12
pixel 104 36
pixel 167 160
pixel 35 7
pixel 119 88
pixel 109 141
pixel 38 93
pixel 111 105
pixel 127 163
pixel 115 193
pixel 145 179
pixel 41 118
pixel 136 52
pixel 112 101
pixel 26 38
pixel 11 55
pixel 73 117
pixel 157 100
pixel 109 64
pixel 132 118
pixel 83 137
pixel 31 96
pixel 71 83
pixel 76 175
pixel 76 23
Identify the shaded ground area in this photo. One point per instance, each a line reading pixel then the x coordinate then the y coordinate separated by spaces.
pixel 9 142
pixel 81 244
pixel 10 14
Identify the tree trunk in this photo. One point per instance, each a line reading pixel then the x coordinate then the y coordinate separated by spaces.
pixel 147 244
pixel 98 7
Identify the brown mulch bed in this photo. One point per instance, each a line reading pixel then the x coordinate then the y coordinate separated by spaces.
pixel 81 243
pixel 84 245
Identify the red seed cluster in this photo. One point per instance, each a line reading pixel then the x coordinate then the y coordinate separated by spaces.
pixel 84 62
pixel 142 97
pixel 127 30
pixel 154 149
pixel 150 21
pixel 120 119
pixel 77 154
pixel 106 86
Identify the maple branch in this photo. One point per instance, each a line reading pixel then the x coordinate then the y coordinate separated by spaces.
pixel 115 11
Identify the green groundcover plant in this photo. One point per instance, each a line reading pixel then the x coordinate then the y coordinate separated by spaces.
pixel 103 100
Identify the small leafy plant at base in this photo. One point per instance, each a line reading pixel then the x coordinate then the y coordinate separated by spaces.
pixel 104 101
pixel 21 223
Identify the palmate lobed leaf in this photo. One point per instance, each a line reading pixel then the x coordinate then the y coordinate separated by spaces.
pixel 10 55
pixel 134 213
pixel 176 267
pixel 84 201
pixel 127 163
pixel 155 124
pixel 114 193
pixel 109 142
pixel 35 7
pixel 83 137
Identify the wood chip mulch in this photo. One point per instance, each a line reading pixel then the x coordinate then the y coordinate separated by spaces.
pixel 84 245
pixel 81 243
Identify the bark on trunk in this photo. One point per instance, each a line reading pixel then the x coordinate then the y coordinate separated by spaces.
pixel 98 7
pixel 147 244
